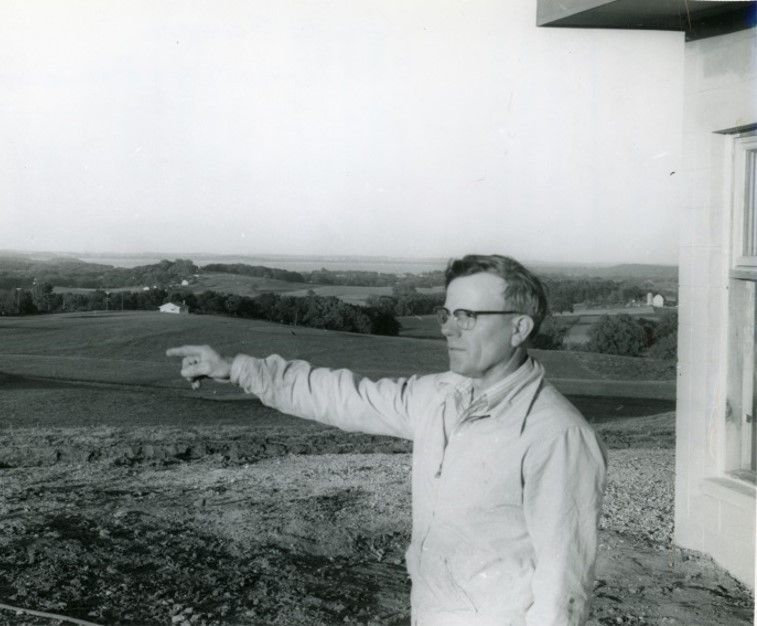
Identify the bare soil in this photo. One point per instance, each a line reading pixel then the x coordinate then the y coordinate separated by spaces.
pixel 232 525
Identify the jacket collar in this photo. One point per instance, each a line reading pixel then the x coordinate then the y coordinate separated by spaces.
pixel 511 389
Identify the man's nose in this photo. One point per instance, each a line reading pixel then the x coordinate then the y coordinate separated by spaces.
pixel 450 328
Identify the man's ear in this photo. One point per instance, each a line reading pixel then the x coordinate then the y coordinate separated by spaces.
pixel 523 327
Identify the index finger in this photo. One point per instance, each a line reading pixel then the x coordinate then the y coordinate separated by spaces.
pixel 186 351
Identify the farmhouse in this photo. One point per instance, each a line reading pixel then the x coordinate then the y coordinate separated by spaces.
pixel 716 444
pixel 170 307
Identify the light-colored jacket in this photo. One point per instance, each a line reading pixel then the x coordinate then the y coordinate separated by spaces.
pixel 506 498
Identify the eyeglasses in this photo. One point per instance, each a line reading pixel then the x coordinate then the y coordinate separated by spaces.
pixel 465 318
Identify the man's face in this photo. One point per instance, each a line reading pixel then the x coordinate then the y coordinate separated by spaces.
pixel 484 351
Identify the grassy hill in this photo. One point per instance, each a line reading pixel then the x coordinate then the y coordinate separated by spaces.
pixel 623 271
pixel 110 368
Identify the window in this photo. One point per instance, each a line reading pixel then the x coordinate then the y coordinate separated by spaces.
pixel 744 218
pixel 741 385
pixel 742 373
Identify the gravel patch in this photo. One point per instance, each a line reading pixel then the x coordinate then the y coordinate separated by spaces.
pixel 640 495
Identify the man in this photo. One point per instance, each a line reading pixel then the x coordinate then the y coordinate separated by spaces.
pixel 507 475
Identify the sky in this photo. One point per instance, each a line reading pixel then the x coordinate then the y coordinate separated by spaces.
pixel 410 128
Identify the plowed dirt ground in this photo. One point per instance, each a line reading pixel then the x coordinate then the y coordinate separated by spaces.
pixel 226 525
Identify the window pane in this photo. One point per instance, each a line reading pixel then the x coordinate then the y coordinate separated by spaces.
pixel 741 440
pixel 750 425
pixel 750 222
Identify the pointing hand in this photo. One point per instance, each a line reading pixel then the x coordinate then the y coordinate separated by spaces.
pixel 200 362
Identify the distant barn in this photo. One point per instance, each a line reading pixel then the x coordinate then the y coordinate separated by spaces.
pixel 170 307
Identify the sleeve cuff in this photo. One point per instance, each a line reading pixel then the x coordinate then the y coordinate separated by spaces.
pixel 244 372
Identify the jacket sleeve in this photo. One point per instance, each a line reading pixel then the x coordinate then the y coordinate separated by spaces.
pixel 333 397
pixel 564 481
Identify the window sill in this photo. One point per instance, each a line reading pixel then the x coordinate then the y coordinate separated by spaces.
pixel 731 489
pixel 744 273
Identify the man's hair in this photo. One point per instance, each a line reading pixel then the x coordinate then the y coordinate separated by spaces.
pixel 523 291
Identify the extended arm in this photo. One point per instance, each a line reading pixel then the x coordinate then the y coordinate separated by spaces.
pixel 334 397
pixel 564 482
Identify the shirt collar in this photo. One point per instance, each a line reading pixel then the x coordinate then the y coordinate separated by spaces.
pixel 469 403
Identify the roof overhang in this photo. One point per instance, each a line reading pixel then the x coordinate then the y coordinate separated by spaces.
pixel 697 18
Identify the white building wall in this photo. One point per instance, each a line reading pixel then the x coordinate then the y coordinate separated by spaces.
pixel 714 513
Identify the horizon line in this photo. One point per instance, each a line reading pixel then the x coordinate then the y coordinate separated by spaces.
pixel 290 256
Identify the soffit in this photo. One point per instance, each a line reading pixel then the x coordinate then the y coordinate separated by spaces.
pixel 697 18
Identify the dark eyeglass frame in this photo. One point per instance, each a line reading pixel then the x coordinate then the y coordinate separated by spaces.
pixel 465 318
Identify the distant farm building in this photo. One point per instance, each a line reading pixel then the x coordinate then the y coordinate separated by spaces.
pixel 185 283
pixel 658 301
pixel 170 307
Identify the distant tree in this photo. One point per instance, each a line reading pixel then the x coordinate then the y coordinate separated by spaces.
pixel 8 302
pixel 551 334
pixel 418 303
pixel 74 302
pixel 665 348
pixel 406 302
pixel 382 303
pixel 649 328
pixel 26 304
pixel 617 334
pixel 667 325
pixel 631 292
pixel 211 302
pixel 97 300
pixel 665 344
pixel 561 303
pixel 383 322
pixel 43 297
pixel 232 304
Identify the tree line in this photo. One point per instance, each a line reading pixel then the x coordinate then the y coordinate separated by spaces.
pixel 312 310
pixel 406 300
pixel 612 334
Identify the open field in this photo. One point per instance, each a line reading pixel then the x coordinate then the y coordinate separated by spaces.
pixel 130 499
pixel 79 368
pixel 357 295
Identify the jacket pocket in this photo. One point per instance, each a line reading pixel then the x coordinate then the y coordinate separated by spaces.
pixel 457 586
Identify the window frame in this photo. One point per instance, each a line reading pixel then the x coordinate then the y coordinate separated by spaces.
pixel 742 310
pixel 745 153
